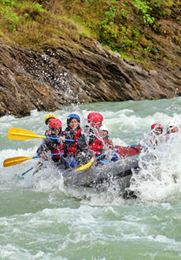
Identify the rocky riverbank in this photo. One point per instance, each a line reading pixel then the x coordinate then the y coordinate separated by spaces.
pixel 87 72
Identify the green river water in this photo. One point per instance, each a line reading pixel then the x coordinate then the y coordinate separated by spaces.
pixel 40 218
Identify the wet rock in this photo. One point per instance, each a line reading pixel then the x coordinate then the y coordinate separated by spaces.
pixel 152 73
pixel 131 63
pixel 81 72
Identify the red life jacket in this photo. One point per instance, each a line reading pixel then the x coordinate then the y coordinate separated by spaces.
pixel 100 147
pixel 47 132
pixel 97 146
pixel 107 142
pixel 58 149
pixel 72 149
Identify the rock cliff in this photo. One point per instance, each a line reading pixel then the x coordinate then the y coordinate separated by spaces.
pixel 81 72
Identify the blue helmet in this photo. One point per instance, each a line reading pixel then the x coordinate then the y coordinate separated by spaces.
pixel 72 116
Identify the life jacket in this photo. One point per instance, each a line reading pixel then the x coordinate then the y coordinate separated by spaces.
pixel 72 149
pixel 58 149
pixel 107 142
pixel 47 132
pixel 97 146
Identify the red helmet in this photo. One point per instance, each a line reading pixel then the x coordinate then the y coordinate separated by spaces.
pixel 94 118
pixel 156 125
pixel 54 123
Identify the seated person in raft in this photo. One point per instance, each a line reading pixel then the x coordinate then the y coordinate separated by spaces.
pixel 67 148
pixel 172 132
pixel 154 137
pixel 108 144
pixel 48 118
pixel 91 144
pixel 107 140
pixel 73 132
pixel 172 128
pixel 55 146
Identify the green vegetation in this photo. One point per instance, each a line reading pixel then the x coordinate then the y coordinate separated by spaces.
pixel 29 24
pixel 120 25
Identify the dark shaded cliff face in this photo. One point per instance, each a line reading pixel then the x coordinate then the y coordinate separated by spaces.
pixel 57 75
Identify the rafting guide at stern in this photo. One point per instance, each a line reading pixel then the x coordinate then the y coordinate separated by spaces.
pixel 154 137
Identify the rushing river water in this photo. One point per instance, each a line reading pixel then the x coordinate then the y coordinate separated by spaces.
pixel 40 218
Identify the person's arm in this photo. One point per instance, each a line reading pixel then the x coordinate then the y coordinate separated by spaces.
pixel 83 149
pixel 111 143
pixel 42 150
pixel 47 145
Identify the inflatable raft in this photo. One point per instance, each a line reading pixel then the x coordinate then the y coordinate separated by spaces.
pixel 102 176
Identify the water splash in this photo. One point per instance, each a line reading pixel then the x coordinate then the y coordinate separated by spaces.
pixel 159 176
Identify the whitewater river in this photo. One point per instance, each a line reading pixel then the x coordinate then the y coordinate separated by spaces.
pixel 40 218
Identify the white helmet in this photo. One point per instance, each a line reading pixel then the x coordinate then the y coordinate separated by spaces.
pixel 172 124
pixel 103 128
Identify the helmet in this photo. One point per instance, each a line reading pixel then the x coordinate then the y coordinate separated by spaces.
pixel 94 118
pixel 49 116
pixel 172 124
pixel 54 123
pixel 156 125
pixel 72 116
pixel 103 128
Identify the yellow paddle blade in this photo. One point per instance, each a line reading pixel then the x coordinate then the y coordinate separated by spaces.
pixel 85 166
pixel 15 160
pixel 22 134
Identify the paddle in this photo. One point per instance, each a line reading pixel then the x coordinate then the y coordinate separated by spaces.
pixel 104 161
pixel 17 160
pixel 39 165
pixel 22 134
pixel 85 166
pixel 133 145
pixel 27 171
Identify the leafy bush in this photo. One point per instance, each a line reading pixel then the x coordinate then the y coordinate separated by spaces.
pixel 10 2
pixel 8 15
pixel 144 9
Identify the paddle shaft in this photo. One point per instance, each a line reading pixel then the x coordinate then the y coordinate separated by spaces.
pixel 52 154
pixel 85 166
pixel 41 136
pixel 23 134
pixel 38 157
pixel 26 171
pixel 100 155
pixel 133 145
pixel 55 138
